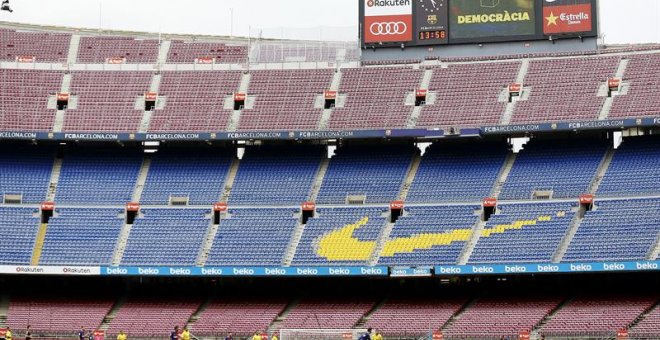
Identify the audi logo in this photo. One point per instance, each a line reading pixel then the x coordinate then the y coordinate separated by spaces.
pixel 388 28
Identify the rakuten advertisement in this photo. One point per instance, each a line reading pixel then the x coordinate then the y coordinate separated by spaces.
pixel 388 21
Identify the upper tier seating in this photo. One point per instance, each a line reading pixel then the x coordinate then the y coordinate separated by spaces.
pixel 24 99
pixel 25 170
pixel 253 237
pixel 375 171
pixel 98 175
pixel 197 173
pixel 642 99
pixel 187 52
pixel 531 233
pixel 564 89
pixel 270 175
pixel 565 167
pixel 194 101
pixel 375 98
pixel 18 228
pixel 467 94
pixel 166 237
pixel 285 99
pixel 429 235
pixel 106 101
pixel 634 169
pixel 98 49
pixel 82 236
pixel 457 172
pixel 45 47
pixel 616 231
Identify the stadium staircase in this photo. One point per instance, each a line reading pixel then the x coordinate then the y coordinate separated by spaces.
pixel 74 44
pixel 457 315
pixel 503 174
pixel 207 244
pixel 59 114
pixel 410 177
pixel 54 179
pixel 141 179
pixel 163 51
pixel 365 318
pixel 146 116
pixel 654 254
pixel 235 117
pixel 602 170
pixel 642 316
pixel 603 90
pixel 112 313
pixel 229 180
pixel 417 110
pixel 39 244
pixel 568 237
pixel 293 243
pixel 334 86
pixel 380 242
pixel 118 253
pixel 276 325
pixel 195 316
pixel 520 79
pixel 550 315
pixel 318 180
pixel 472 242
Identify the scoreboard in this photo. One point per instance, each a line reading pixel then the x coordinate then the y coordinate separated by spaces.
pixel 437 22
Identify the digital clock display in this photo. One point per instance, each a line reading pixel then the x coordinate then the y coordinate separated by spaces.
pixel 432 35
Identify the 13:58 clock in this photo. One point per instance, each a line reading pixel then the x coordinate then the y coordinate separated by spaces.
pixel 432 35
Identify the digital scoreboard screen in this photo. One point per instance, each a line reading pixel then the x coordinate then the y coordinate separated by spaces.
pixel 478 19
pixel 386 23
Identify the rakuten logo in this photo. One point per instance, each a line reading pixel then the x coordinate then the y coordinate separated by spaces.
pixel 387 3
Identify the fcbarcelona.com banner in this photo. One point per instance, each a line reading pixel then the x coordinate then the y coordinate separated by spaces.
pixel 548 268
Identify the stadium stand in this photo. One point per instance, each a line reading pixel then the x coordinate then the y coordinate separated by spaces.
pixel 187 52
pixel 194 172
pixel 359 170
pixel 641 99
pixel 85 170
pixel 18 228
pixel 43 46
pixel 457 172
pixel 616 231
pixel 401 317
pixel 496 317
pixel 25 171
pixel 319 314
pixel 563 167
pixel 24 99
pixel 464 103
pixel 340 236
pixel 284 99
pixel 253 237
pixel 194 101
pixel 93 233
pixel 429 235
pixel 266 175
pixel 634 169
pixel 596 316
pixel 55 315
pixel 375 97
pixel 166 237
pixel 238 316
pixel 151 317
pixel 648 326
pixel 99 49
pixel 564 89
pixel 107 101
pixel 531 232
